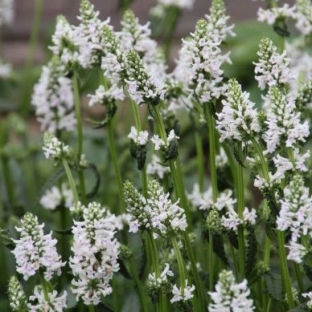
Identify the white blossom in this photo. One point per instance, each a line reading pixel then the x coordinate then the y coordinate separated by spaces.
pixel 230 296
pixel 47 302
pixel 102 95
pixel 36 251
pixel 16 295
pixel 157 281
pixel 182 294
pixel 55 196
pixel 6 12
pixel 296 209
pixel 304 17
pixel 272 68
pixel 271 15
pixel 309 296
pixel 156 212
pixel 138 137
pixel 5 69
pixel 160 143
pixel 238 119
pixel 54 100
pixel 95 253
pixel 296 252
pixel 156 168
pixel 284 126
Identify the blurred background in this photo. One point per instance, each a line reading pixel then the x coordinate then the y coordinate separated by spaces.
pixel 16 36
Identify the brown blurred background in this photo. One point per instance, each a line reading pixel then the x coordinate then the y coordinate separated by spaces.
pixel 16 36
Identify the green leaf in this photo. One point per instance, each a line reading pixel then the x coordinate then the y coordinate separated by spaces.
pixel 273 284
pixel 218 248
pixel 251 252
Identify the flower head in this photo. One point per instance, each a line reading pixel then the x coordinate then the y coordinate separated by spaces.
pixel 36 251
pixel 229 295
pixel 95 253
pixel 17 297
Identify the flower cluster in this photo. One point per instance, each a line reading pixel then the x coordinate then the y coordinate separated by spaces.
pixel 47 301
pixel 36 251
pixel 156 168
pixel 55 197
pixel 156 212
pixel 238 119
pixel 295 215
pixel 17 297
pixel 272 69
pixel 95 253
pixel 230 296
pixel 54 100
pixel 182 293
pixel 157 283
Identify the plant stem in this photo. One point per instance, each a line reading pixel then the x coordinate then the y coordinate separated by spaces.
pixel 200 161
pixel 71 181
pixel 138 125
pixel 284 269
pixel 212 150
pixel 113 152
pixel 141 292
pixel 240 208
pixel 79 136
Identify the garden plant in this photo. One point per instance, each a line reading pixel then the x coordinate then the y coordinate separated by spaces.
pixel 159 184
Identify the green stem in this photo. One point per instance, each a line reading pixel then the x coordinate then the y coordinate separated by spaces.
pixel 91 308
pixel 240 208
pixel 284 269
pixel 79 136
pixel 161 306
pixel 180 261
pixel 212 150
pixel 138 126
pixel 141 292
pixel 71 181
pixel 211 261
pixel 299 277
pixel 200 161
pixel 113 152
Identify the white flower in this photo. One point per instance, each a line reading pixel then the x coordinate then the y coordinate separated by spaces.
pixel 238 118
pixel 157 212
pixel 157 282
pixel 54 148
pixel 54 100
pixel 95 253
pixel 6 12
pixel 182 294
pixel 230 296
pixel 309 296
pixel 272 68
pixel 48 302
pixel 155 167
pixel 271 15
pixel 224 200
pixel 296 209
pixel 5 69
pixel 35 251
pixel 296 252
pixel 304 17
pixel 138 137
pixel 16 294
pixel 160 143
pixel 103 95
pixel 54 197
pixel 283 122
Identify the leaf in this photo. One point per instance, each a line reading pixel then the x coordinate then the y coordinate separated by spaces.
pixel 6 241
pixel 97 184
pixel 251 252
pixel 101 307
pixel 273 284
pixel 233 239
pixel 218 248
pixel 123 269
pixel 64 232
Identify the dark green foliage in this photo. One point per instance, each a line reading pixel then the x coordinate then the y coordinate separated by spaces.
pixel 251 252
pixel 218 248
pixel 273 285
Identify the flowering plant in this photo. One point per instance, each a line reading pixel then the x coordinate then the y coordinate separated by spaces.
pixel 174 189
